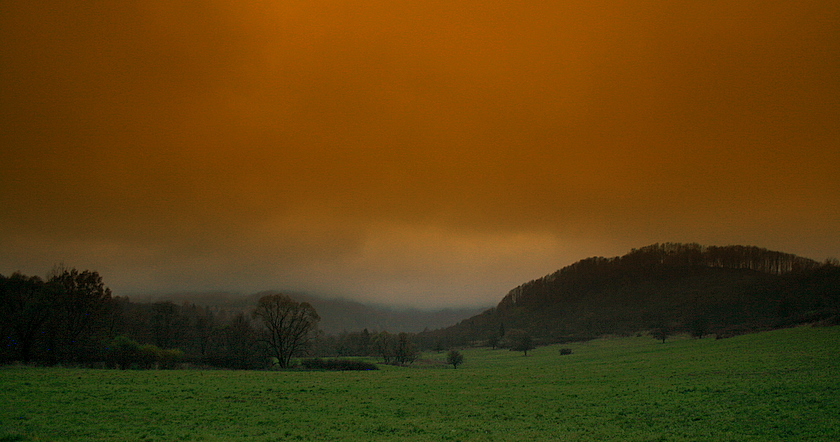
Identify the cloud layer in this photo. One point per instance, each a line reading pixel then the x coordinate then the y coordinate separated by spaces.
pixel 409 152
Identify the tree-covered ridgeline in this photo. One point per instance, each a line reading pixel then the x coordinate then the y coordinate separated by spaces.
pixel 673 287
pixel 648 261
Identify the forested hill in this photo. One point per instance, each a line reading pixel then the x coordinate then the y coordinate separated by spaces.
pixel 678 287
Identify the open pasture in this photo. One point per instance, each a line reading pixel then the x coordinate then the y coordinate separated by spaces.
pixel 775 386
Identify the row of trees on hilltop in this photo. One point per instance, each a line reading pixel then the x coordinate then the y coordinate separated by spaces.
pixel 648 262
pixel 681 288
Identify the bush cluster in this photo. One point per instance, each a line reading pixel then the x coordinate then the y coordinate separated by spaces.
pixel 126 353
pixel 336 364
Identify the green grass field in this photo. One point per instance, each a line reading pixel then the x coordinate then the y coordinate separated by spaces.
pixel 776 386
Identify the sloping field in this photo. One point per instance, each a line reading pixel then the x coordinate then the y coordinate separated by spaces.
pixel 775 386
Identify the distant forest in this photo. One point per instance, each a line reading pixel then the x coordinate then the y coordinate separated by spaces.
pixel 663 288
pixel 72 318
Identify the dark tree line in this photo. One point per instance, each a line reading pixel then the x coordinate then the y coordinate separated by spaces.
pixel 204 335
pixel 72 318
pixel 647 263
pixel 673 287
pixel 62 319
pixel 391 348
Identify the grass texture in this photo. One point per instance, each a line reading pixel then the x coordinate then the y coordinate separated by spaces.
pixel 782 385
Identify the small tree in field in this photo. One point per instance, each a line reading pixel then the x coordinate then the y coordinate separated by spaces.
pixel 383 343
pixel 455 358
pixel 522 342
pixel 661 331
pixel 406 351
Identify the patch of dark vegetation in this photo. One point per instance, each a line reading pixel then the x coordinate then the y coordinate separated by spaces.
pixel 454 358
pixel 71 318
pixel 828 322
pixel 336 364
pixel 429 363
pixel 565 351
pixel 664 290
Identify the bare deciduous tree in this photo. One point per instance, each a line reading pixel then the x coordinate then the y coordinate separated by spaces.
pixel 405 352
pixel 288 325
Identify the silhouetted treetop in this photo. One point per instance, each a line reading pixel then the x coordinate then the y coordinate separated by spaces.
pixel 591 274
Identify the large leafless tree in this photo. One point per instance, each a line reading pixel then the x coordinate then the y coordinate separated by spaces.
pixel 288 325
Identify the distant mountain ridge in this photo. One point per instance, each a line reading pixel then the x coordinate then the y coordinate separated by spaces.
pixel 681 287
pixel 337 315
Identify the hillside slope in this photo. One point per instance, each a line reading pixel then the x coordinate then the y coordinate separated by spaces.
pixel 674 287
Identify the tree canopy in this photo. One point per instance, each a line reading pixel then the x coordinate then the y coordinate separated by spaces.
pixel 287 325
pixel 697 289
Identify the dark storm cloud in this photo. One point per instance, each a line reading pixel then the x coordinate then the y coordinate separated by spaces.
pixel 414 152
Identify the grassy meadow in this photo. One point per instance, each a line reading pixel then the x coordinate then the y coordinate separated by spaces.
pixel 775 386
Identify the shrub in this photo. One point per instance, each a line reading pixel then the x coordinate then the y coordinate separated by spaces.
pixel 148 356
pixel 169 357
pixel 455 358
pixel 520 341
pixel 123 352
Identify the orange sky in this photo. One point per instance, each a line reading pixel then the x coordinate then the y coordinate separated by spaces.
pixel 418 152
